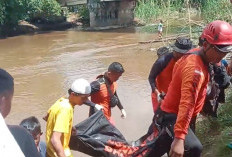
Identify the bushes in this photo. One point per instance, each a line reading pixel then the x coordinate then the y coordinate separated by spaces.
pixel 11 11
pixel 83 11
pixel 150 10
pixel 217 10
pixel 2 13
pixel 43 10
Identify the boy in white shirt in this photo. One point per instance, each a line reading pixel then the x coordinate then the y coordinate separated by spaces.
pixel 160 29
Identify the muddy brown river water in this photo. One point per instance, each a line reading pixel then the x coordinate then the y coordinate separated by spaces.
pixel 44 65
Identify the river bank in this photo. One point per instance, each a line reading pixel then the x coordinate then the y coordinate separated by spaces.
pixel 25 27
pixel 216 133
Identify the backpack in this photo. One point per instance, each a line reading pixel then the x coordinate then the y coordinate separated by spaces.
pixel 220 76
pixel 212 94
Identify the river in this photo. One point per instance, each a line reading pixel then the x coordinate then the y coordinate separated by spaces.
pixel 44 65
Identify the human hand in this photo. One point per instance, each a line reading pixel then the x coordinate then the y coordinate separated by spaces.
pixel 177 148
pixel 98 107
pixel 45 117
pixel 160 97
pixel 74 131
pixel 123 113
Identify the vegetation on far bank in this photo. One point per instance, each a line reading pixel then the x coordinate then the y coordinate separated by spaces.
pixel 179 15
pixel 25 16
pixel 11 11
pixel 149 11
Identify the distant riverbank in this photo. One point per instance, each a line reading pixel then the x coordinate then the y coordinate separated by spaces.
pixel 27 28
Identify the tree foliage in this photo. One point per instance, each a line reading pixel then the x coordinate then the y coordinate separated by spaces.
pixel 46 10
pixel 2 13
pixel 11 11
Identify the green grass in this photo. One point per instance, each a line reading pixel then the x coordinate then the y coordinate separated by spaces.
pixel 175 15
pixel 216 133
pixel 217 10
pixel 149 11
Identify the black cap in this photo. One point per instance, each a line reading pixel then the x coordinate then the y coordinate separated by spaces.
pixel 116 67
pixel 182 45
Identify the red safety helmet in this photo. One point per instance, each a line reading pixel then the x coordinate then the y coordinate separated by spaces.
pixel 219 33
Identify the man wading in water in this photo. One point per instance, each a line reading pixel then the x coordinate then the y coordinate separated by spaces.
pixel 103 91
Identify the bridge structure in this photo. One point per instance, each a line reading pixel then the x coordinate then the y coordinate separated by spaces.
pixel 106 13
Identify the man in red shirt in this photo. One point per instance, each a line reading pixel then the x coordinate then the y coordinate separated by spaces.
pixel 187 91
pixel 103 91
pixel 161 72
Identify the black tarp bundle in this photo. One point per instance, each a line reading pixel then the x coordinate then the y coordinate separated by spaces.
pixel 97 137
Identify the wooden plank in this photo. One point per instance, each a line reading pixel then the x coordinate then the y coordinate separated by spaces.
pixel 171 37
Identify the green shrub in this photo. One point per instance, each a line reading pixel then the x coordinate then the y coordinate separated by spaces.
pixel 147 10
pixel 83 11
pixel 217 10
pixel 45 10
pixel 150 10
pixel 2 13
pixel 11 11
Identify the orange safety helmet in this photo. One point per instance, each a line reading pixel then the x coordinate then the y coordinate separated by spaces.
pixel 219 33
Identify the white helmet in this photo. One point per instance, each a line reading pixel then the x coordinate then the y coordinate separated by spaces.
pixel 81 86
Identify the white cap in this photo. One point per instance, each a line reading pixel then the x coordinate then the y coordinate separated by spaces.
pixel 81 86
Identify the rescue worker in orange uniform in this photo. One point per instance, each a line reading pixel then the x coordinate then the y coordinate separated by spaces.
pixel 103 91
pixel 161 72
pixel 186 93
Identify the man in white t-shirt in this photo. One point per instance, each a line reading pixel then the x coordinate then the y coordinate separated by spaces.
pixel 8 145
